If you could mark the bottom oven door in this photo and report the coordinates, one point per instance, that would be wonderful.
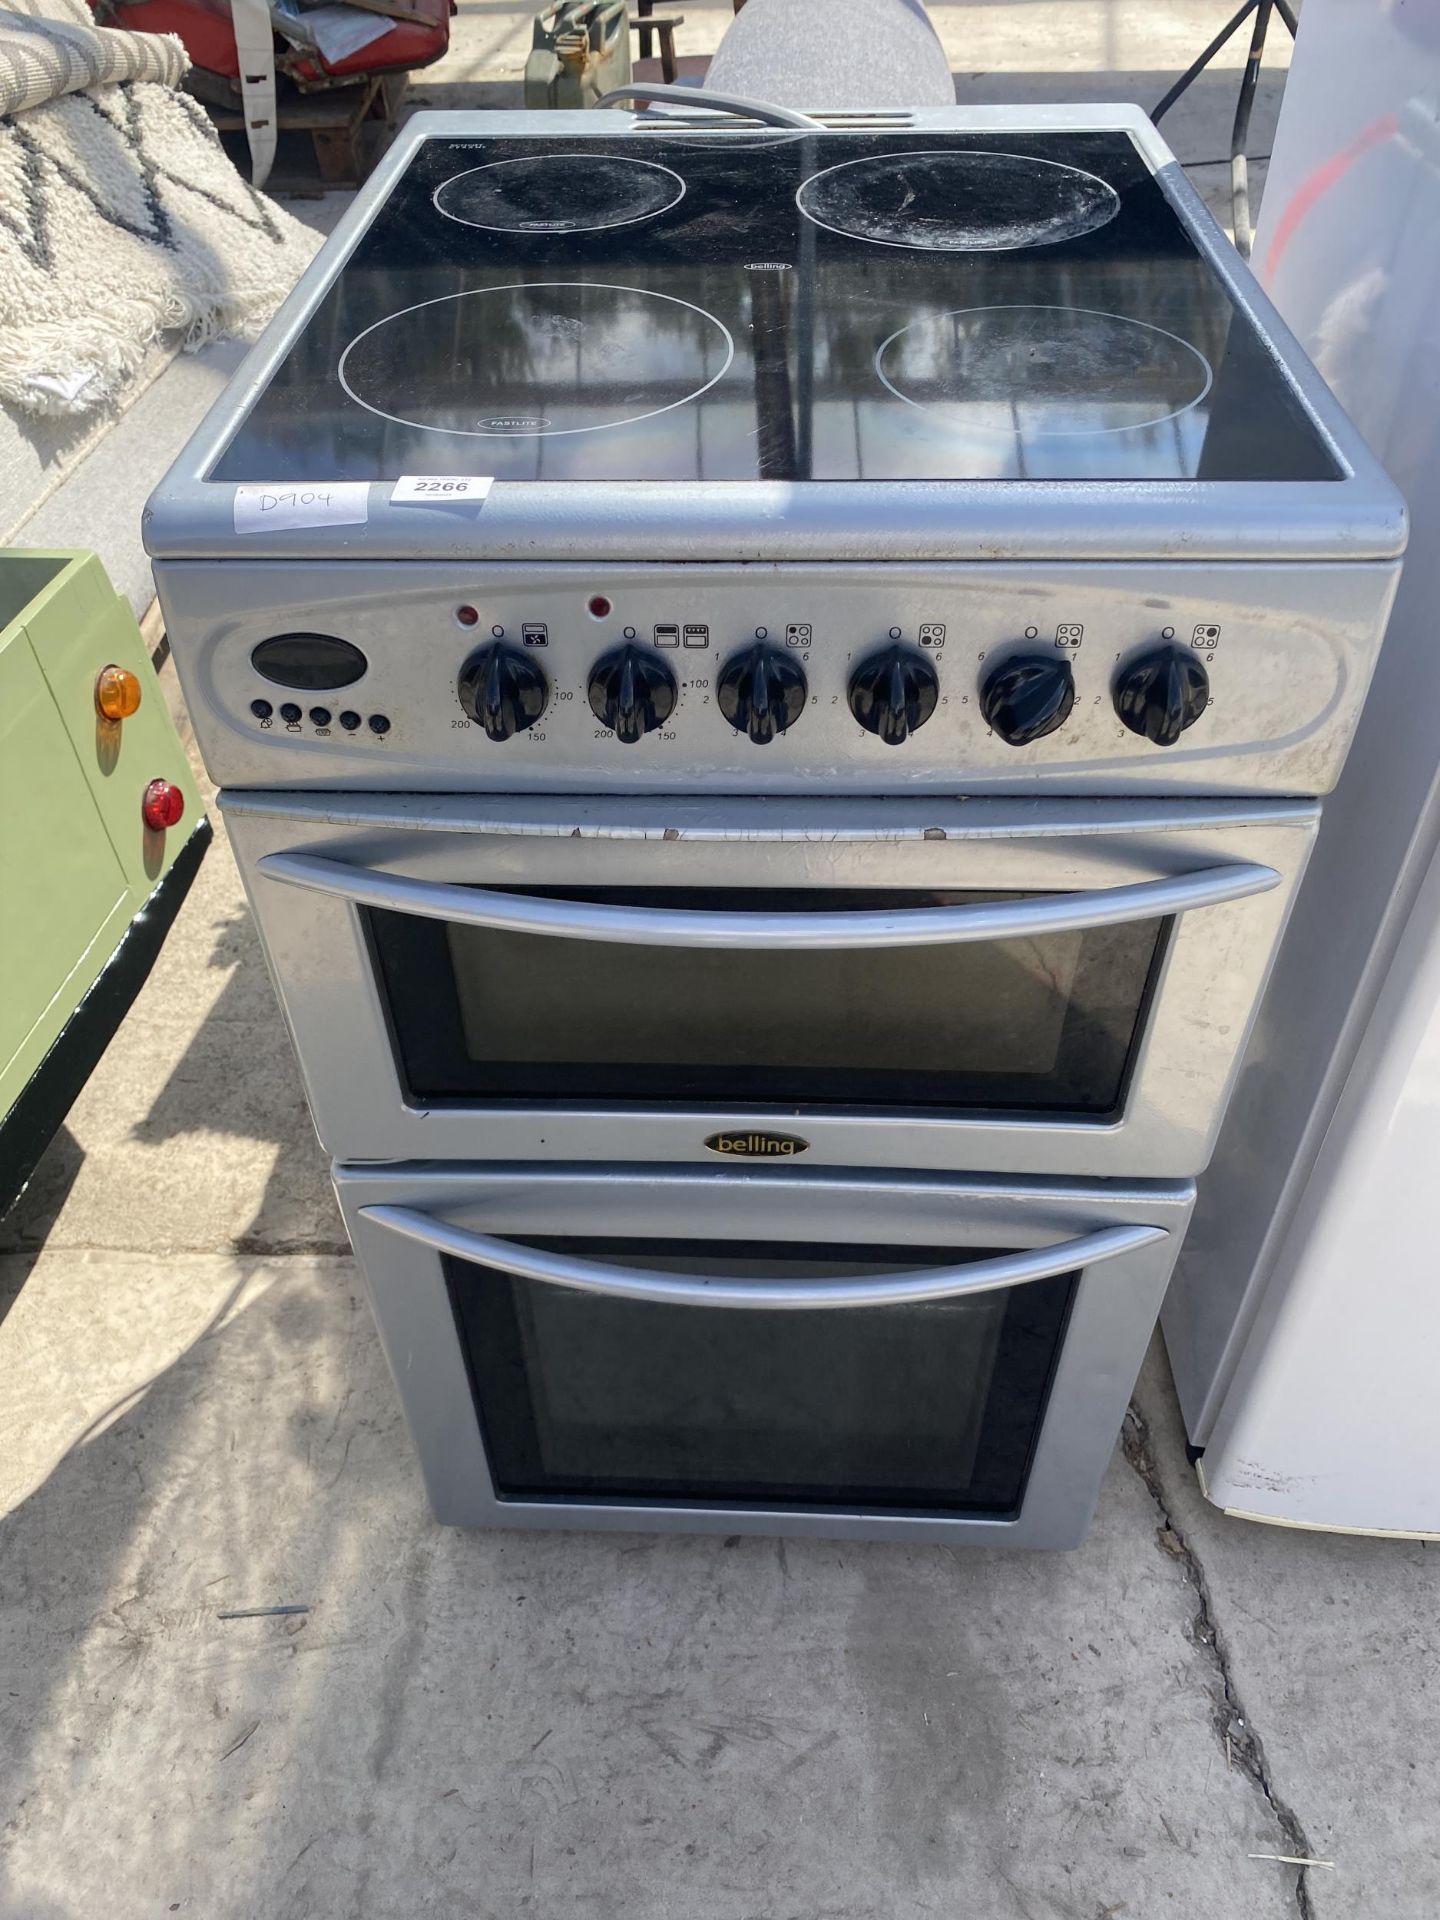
(775, 1352)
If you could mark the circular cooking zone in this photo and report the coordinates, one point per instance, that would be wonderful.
(559, 193)
(949, 202)
(536, 358)
(1038, 371)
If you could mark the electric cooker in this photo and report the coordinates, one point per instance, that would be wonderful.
(772, 686)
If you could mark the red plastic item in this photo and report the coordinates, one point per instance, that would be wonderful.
(162, 805)
(209, 39)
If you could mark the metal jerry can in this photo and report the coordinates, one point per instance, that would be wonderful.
(581, 48)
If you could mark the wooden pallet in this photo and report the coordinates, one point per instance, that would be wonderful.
(335, 118)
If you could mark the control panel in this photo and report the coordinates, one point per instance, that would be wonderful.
(828, 679)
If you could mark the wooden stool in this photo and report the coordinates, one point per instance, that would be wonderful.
(663, 28)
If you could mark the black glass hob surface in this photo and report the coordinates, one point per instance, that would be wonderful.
(778, 306)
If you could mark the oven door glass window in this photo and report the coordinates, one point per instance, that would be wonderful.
(1046, 1023)
(934, 1407)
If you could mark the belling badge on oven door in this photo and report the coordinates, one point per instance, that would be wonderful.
(755, 1145)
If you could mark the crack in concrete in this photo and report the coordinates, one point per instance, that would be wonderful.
(1243, 1746)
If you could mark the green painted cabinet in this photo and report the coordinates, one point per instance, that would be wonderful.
(78, 863)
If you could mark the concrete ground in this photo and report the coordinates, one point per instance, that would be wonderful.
(196, 1417)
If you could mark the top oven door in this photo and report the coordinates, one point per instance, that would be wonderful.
(1053, 987)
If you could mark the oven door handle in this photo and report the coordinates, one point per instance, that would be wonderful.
(699, 1290)
(678, 927)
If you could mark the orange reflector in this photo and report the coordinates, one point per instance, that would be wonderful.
(162, 805)
(117, 693)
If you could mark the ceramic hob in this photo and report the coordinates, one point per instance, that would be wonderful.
(934, 305)
(959, 334)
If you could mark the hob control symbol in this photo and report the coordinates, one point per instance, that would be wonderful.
(894, 692)
(631, 692)
(1028, 696)
(503, 689)
(1162, 693)
(761, 692)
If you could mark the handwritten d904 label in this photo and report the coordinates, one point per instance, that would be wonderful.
(341, 503)
(441, 490)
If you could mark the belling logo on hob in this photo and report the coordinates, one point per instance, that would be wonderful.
(758, 1146)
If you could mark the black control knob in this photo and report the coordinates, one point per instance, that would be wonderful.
(503, 689)
(1162, 693)
(631, 692)
(1027, 696)
(894, 692)
(762, 691)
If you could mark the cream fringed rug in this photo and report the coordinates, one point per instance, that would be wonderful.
(120, 219)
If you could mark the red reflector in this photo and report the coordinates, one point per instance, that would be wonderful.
(162, 805)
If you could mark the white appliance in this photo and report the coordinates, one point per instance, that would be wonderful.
(1304, 1322)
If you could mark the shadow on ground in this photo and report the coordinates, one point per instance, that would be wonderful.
(498, 1724)
(193, 1133)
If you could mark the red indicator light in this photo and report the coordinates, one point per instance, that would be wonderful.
(162, 805)
(599, 606)
(467, 616)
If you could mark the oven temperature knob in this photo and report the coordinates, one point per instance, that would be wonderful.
(1162, 693)
(894, 692)
(1027, 696)
(631, 692)
(503, 689)
(762, 692)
